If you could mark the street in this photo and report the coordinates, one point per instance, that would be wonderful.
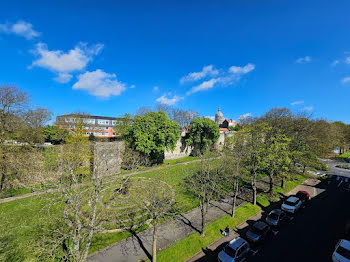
(313, 233)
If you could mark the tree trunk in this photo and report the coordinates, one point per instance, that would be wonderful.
(254, 195)
(235, 189)
(271, 182)
(2, 182)
(282, 182)
(304, 169)
(154, 247)
(203, 222)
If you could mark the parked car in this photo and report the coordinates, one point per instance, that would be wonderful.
(291, 205)
(235, 251)
(276, 217)
(304, 196)
(342, 251)
(258, 231)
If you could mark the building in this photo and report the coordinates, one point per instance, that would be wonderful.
(101, 126)
(223, 123)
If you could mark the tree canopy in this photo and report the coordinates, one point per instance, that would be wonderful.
(152, 134)
(203, 133)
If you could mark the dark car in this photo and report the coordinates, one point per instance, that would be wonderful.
(303, 196)
(258, 231)
(276, 217)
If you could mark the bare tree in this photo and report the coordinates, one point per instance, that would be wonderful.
(232, 162)
(81, 201)
(158, 204)
(142, 111)
(13, 103)
(204, 185)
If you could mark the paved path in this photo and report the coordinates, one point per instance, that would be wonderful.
(211, 252)
(139, 247)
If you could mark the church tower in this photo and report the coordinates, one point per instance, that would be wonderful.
(219, 117)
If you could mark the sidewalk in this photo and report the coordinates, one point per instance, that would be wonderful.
(308, 186)
(139, 247)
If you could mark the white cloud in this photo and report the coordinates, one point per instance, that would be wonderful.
(308, 108)
(244, 116)
(297, 103)
(63, 78)
(168, 101)
(345, 80)
(335, 62)
(303, 60)
(347, 60)
(64, 63)
(21, 28)
(132, 86)
(203, 86)
(99, 83)
(225, 78)
(195, 76)
(242, 69)
(155, 89)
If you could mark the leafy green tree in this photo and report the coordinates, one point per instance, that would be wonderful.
(203, 133)
(152, 134)
(55, 135)
(253, 151)
(276, 157)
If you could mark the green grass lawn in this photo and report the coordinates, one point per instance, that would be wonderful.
(23, 223)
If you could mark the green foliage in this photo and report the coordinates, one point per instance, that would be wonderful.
(123, 123)
(234, 128)
(152, 134)
(203, 133)
(55, 135)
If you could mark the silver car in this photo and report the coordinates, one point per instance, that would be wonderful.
(235, 251)
(276, 217)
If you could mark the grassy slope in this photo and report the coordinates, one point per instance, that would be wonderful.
(23, 221)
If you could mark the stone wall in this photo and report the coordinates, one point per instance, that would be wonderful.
(181, 150)
(108, 157)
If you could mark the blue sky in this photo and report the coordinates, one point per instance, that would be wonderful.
(112, 57)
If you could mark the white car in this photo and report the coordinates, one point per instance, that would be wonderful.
(342, 251)
(291, 205)
(235, 251)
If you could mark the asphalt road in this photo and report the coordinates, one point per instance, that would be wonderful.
(335, 170)
(313, 233)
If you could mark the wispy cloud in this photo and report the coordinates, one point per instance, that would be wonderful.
(21, 28)
(335, 62)
(168, 101)
(346, 80)
(155, 89)
(347, 60)
(242, 69)
(63, 63)
(303, 60)
(100, 84)
(195, 76)
(244, 116)
(297, 103)
(225, 77)
(308, 108)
